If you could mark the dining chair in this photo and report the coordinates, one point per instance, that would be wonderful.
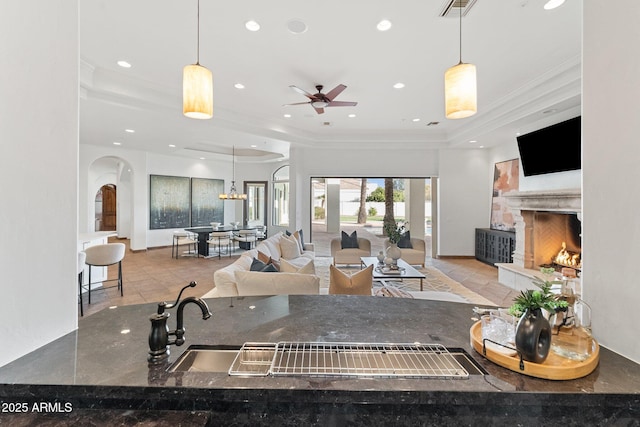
(246, 238)
(219, 239)
(181, 238)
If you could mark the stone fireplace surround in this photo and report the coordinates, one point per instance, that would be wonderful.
(525, 205)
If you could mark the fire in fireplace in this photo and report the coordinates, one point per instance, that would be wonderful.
(568, 259)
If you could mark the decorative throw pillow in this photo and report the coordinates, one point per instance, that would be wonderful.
(264, 257)
(289, 247)
(349, 240)
(298, 236)
(269, 268)
(357, 284)
(258, 265)
(405, 241)
(287, 267)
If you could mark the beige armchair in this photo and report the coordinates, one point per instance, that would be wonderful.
(412, 256)
(349, 255)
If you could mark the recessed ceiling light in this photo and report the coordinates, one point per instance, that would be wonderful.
(482, 146)
(352, 115)
(473, 141)
(172, 146)
(129, 130)
(415, 120)
(252, 25)
(124, 64)
(125, 331)
(253, 145)
(238, 86)
(287, 115)
(117, 143)
(398, 85)
(202, 158)
(517, 133)
(552, 4)
(296, 26)
(384, 25)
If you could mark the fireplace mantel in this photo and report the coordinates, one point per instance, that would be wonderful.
(568, 200)
(523, 205)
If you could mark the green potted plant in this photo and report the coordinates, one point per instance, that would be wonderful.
(533, 332)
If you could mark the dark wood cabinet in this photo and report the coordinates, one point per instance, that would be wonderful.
(494, 246)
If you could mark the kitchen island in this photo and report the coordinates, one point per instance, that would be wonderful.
(101, 371)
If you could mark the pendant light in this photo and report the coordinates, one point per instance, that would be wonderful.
(460, 86)
(197, 87)
(233, 193)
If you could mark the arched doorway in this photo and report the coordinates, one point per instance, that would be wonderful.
(105, 208)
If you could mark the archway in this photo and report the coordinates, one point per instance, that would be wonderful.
(106, 175)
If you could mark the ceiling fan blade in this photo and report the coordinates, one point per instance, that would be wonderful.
(342, 104)
(335, 92)
(303, 92)
(319, 110)
(297, 103)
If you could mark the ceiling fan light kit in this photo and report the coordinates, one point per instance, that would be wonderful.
(197, 87)
(460, 91)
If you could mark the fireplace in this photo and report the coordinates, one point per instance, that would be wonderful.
(545, 222)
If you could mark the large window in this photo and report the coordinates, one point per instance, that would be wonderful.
(281, 197)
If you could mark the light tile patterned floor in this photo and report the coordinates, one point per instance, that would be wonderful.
(153, 276)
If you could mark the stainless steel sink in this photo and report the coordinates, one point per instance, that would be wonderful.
(206, 358)
(331, 359)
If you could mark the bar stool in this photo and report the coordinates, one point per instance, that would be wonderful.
(82, 256)
(104, 256)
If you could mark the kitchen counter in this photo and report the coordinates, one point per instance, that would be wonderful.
(101, 367)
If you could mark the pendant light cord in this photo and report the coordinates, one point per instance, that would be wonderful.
(198, 44)
(460, 26)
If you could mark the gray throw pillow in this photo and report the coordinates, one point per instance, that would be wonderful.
(257, 265)
(349, 240)
(288, 233)
(405, 241)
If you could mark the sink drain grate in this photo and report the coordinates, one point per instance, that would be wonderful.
(348, 359)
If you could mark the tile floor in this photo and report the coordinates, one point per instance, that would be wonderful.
(153, 276)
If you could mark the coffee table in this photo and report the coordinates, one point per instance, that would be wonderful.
(406, 271)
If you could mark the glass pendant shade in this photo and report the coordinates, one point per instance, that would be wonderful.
(460, 91)
(197, 92)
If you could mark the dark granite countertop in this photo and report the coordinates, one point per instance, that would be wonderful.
(100, 366)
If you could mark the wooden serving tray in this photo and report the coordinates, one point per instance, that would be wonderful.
(555, 367)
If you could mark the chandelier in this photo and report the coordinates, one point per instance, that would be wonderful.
(233, 193)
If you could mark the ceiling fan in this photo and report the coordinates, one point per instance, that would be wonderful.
(320, 101)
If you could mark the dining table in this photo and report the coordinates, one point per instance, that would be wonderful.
(203, 235)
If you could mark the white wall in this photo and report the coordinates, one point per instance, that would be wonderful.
(610, 154)
(38, 108)
(464, 200)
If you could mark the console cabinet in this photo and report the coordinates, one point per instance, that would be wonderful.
(493, 246)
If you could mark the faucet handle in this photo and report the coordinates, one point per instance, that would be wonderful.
(163, 305)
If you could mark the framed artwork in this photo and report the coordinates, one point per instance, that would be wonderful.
(169, 201)
(206, 207)
(506, 177)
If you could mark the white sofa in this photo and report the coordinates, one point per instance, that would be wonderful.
(237, 280)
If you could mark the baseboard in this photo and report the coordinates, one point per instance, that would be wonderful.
(455, 257)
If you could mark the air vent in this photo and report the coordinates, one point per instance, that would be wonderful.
(452, 8)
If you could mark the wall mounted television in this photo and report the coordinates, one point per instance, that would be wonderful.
(552, 149)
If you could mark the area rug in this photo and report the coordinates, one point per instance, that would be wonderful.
(436, 286)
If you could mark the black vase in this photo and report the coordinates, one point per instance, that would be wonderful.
(533, 336)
